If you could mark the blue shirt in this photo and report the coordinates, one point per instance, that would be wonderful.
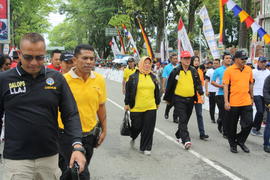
(167, 70)
(218, 76)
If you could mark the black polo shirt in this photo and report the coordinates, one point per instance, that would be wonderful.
(31, 108)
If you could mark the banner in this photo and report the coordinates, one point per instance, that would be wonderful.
(209, 33)
(146, 40)
(183, 40)
(114, 48)
(131, 42)
(4, 21)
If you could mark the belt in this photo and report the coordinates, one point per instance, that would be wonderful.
(185, 98)
(85, 134)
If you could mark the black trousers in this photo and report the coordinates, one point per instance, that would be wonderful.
(245, 113)
(144, 123)
(183, 108)
(168, 108)
(223, 114)
(212, 105)
(66, 151)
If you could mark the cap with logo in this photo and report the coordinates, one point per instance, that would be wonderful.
(185, 54)
(241, 54)
(66, 56)
(131, 59)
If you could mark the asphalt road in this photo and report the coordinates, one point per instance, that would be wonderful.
(211, 160)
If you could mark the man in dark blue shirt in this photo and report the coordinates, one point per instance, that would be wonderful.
(31, 96)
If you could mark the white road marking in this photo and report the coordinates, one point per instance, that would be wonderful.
(196, 154)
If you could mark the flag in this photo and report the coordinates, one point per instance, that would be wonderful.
(266, 38)
(221, 25)
(183, 40)
(243, 16)
(123, 51)
(209, 32)
(146, 40)
(131, 42)
(114, 47)
(249, 21)
(236, 10)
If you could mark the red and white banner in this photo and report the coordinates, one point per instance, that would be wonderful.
(183, 40)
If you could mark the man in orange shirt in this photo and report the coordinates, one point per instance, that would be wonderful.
(238, 97)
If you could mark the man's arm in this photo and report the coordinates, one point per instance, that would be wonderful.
(217, 85)
(266, 91)
(163, 85)
(124, 86)
(101, 113)
(206, 87)
(226, 97)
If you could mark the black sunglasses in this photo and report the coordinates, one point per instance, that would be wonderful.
(28, 57)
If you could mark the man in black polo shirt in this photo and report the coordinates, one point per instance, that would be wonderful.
(30, 98)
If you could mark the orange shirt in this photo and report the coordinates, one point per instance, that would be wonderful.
(239, 85)
(200, 100)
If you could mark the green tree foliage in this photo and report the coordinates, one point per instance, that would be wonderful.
(29, 16)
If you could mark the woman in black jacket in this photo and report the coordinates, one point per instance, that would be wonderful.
(142, 99)
(266, 96)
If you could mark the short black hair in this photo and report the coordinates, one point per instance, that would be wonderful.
(226, 54)
(80, 47)
(217, 60)
(33, 38)
(56, 51)
(3, 60)
(172, 55)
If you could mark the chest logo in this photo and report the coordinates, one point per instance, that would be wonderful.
(50, 81)
(17, 87)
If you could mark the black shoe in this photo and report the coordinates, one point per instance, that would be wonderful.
(166, 116)
(204, 137)
(233, 149)
(213, 121)
(176, 120)
(225, 136)
(243, 147)
(266, 149)
(219, 127)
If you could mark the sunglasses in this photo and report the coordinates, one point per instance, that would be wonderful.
(28, 57)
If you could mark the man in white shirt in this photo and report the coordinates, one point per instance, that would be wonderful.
(210, 90)
(259, 75)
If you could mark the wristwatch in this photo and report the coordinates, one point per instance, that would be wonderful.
(81, 149)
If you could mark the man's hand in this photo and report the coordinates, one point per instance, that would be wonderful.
(227, 106)
(126, 108)
(101, 138)
(79, 158)
(202, 99)
(207, 93)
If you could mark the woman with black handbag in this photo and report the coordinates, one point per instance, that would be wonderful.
(142, 99)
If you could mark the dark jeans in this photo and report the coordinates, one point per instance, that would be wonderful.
(198, 108)
(260, 107)
(66, 151)
(266, 135)
(144, 123)
(212, 105)
(223, 114)
(183, 108)
(168, 108)
(245, 113)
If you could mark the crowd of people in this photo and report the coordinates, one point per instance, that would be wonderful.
(230, 83)
(54, 116)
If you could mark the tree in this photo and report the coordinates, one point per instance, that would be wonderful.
(29, 16)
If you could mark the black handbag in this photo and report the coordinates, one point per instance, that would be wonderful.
(71, 173)
(96, 132)
(125, 129)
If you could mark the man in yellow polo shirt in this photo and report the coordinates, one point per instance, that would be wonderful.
(130, 69)
(89, 91)
(238, 97)
(183, 84)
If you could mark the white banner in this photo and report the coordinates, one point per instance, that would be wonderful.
(114, 47)
(183, 40)
(209, 33)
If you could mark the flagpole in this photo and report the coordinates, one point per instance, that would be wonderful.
(200, 44)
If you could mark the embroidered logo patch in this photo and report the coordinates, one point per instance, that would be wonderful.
(50, 81)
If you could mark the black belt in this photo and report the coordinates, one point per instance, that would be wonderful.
(84, 134)
(185, 98)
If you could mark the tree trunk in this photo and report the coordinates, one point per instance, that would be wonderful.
(193, 5)
(243, 32)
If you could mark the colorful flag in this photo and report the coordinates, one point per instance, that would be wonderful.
(131, 43)
(209, 33)
(221, 25)
(146, 40)
(123, 51)
(183, 40)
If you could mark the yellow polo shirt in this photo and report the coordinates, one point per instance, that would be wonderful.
(88, 96)
(128, 72)
(185, 84)
(145, 96)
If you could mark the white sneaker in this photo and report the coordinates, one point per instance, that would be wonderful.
(147, 153)
(187, 145)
